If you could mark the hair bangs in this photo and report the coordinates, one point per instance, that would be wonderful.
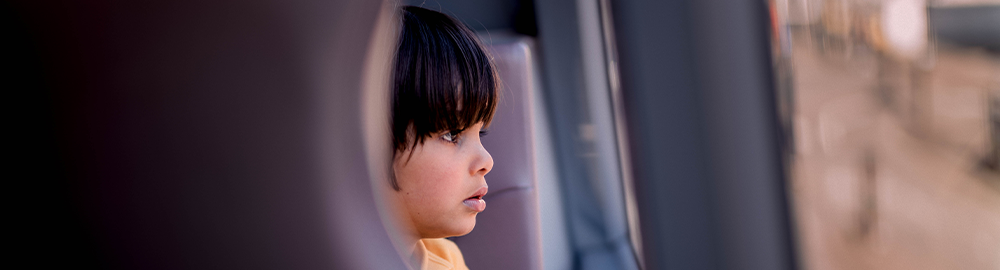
(444, 79)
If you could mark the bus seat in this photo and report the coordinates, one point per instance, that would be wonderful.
(508, 233)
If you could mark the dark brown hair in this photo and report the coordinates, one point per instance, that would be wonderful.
(443, 79)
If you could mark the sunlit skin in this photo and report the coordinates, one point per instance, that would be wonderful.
(435, 182)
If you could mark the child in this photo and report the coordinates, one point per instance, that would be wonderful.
(444, 95)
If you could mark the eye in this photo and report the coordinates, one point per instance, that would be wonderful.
(452, 136)
(484, 132)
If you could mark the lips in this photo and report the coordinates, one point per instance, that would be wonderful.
(476, 202)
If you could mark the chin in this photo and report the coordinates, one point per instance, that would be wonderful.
(462, 229)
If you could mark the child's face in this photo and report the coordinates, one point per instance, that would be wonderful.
(440, 182)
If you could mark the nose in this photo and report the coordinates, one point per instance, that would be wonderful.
(483, 162)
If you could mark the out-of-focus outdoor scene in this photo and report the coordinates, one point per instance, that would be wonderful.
(892, 112)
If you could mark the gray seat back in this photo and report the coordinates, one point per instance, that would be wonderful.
(507, 234)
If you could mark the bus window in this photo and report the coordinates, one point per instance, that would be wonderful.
(890, 113)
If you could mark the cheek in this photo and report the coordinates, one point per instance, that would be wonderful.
(429, 178)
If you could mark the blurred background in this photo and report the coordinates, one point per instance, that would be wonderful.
(633, 134)
(890, 108)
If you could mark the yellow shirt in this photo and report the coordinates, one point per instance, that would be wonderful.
(441, 254)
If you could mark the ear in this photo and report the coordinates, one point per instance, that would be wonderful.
(392, 172)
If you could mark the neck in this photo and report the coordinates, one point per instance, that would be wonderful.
(416, 252)
(402, 232)
(407, 241)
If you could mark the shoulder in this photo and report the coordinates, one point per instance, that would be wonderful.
(446, 252)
